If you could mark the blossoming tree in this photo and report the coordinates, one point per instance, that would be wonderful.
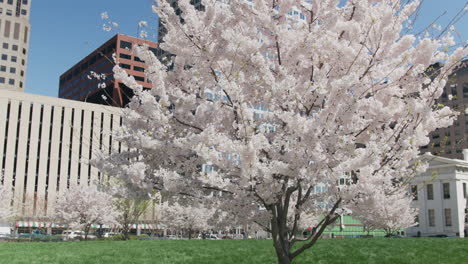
(82, 206)
(385, 207)
(6, 210)
(191, 218)
(281, 97)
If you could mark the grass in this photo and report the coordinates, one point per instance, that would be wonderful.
(333, 251)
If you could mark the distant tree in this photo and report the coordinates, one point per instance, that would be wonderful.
(385, 207)
(81, 206)
(130, 209)
(6, 210)
(190, 218)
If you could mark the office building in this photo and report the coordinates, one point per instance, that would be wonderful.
(78, 84)
(14, 43)
(46, 144)
(449, 142)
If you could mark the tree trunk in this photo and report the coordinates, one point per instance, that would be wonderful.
(283, 256)
(280, 241)
(125, 232)
(87, 228)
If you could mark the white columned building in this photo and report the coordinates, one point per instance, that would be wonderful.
(440, 194)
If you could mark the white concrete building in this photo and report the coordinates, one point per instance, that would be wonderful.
(45, 145)
(441, 196)
(14, 43)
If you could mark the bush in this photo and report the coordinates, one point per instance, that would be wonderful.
(118, 237)
(143, 236)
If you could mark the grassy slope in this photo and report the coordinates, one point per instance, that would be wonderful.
(381, 251)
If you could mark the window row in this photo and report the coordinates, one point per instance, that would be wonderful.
(12, 58)
(10, 82)
(447, 217)
(13, 70)
(13, 47)
(430, 191)
(129, 67)
(128, 46)
(10, 2)
(9, 26)
(129, 57)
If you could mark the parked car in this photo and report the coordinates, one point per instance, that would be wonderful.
(110, 234)
(439, 235)
(394, 236)
(72, 235)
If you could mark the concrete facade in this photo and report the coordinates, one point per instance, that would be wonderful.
(45, 146)
(14, 43)
(440, 195)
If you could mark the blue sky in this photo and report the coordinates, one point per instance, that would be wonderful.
(63, 32)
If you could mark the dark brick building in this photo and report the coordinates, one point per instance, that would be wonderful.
(75, 83)
(449, 142)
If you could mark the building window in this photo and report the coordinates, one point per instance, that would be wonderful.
(11, 81)
(9, 12)
(16, 31)
(448, 217)
(430, 192)
(24, 50)
(414, 192)
(6, 33)
(464, 190)
(24, 12)
(12, 70)
(446, 189)
(14, 58)
(125, 56)
(2, 80)
(125, 45)
(4, 57)
(3, 68)
(5, 45)
(140, 69)
(10, 2)
(138, 78)
(125, 66)
(25, 2)
(25, 38)
(21, 84)
(22, 73)
(14, 47)
(431, 217)
(138, 59)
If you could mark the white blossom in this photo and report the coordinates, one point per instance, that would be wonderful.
(104, 16)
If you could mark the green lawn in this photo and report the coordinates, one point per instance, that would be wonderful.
(358, 250)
